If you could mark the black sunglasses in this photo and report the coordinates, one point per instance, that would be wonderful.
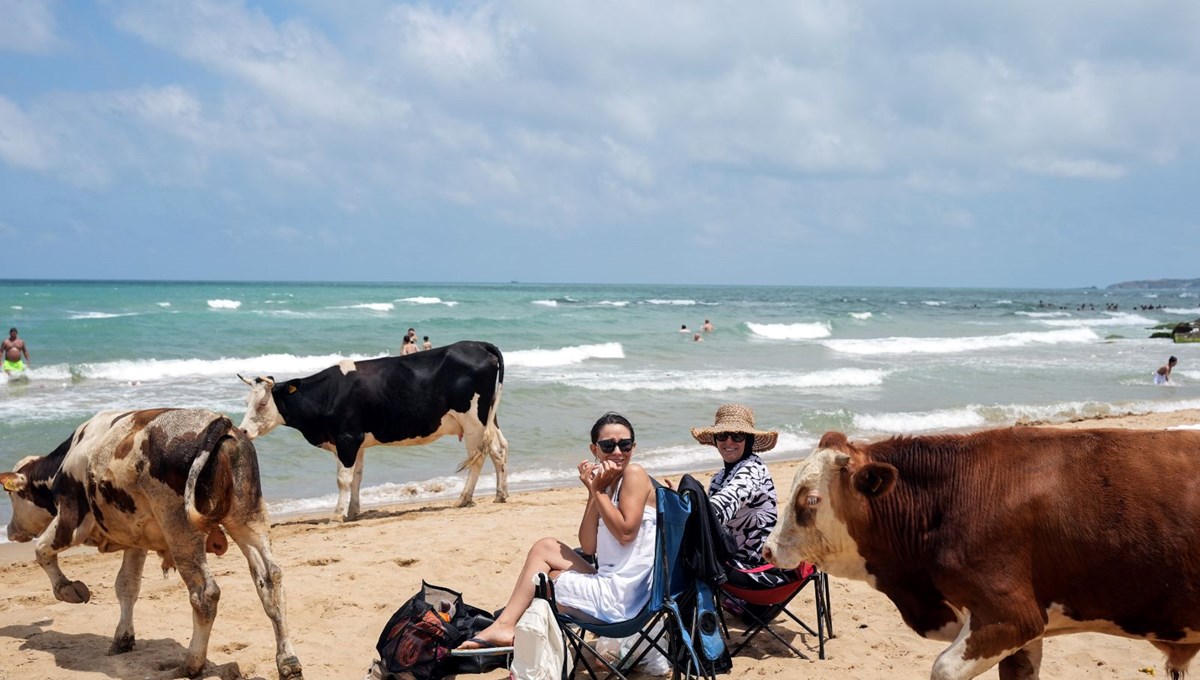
(610, 445)
(735, 436)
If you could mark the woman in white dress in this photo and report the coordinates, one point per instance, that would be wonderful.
(618, 526)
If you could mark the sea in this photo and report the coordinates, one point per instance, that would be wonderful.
(870, 362)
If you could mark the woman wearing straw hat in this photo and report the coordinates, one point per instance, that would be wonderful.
(743, 494)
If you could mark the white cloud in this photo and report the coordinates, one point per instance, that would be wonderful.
(1079, 168)
(21, 143)
(290, 62)
(28, 26)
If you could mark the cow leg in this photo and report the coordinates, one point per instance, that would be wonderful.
(499, 454)
(349, 478)
(473, 439)
(983, 643)
(349, 481)
(1025, 664)
(129, 584)
(255, 543)
(58, 536)
(187, 546)
(1179, 657)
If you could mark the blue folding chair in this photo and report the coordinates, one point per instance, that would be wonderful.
(668, 586)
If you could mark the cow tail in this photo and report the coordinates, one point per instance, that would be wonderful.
(491, 428)
(211, 476)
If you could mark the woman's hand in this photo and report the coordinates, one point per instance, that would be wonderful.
(606, 473)
(587, 474)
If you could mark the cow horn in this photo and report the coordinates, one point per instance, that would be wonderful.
(243, 379)
(841, 460)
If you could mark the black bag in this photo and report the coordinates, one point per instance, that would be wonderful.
(416, 642)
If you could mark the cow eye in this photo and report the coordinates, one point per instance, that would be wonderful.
(813, 500)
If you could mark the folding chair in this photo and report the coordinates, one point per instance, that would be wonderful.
(775, 601)
(668, 585)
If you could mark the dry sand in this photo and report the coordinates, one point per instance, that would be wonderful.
(344, 581)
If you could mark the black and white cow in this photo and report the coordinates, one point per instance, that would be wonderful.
(398, 401)
(167, 480)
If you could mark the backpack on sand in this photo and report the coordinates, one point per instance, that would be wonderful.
(416, 642)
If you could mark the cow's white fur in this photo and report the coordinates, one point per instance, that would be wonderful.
(827, 543)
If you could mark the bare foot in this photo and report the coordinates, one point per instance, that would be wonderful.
(494, 635)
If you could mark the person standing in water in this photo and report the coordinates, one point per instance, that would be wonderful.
(13, 349)
(1163, 375)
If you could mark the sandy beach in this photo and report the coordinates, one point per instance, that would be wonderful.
(343, 582)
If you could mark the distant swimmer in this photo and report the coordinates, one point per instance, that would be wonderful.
(684, 329)
(426, 344)
(1161, 377)
(409, 346)
(697, 338)
(13, 348)
(707, 327)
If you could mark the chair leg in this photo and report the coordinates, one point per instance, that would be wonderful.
(826, 604)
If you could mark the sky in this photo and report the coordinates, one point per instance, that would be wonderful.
(924, 143)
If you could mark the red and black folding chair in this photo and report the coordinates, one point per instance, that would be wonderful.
(769, 603)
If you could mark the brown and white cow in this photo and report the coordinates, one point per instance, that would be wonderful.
(167, 480)
(994, 540)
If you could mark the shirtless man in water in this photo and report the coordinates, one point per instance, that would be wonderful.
(13, 347)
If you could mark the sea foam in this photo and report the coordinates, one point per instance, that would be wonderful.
(224, 304)
(1107, 320)
(424, 300)
(143, 370)
(715, 381)
(100, 315)
(902, 345)
(791, 331)
(565, 356)
(373, 306)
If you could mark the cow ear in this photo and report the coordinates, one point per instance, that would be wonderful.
(12, 481)
(874, 479)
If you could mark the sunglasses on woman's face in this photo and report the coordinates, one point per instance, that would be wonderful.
(610, 445)
(738, 437)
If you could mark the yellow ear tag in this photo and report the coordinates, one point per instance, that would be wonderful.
(10, 484)
(291, 389)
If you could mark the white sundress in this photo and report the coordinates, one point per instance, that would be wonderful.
(621, 586)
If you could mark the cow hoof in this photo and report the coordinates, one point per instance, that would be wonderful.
(120, 645)
(289, 669)
(75, 592)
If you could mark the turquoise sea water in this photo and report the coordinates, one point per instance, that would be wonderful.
(867, 361)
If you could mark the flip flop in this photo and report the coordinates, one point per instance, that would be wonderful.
(485, 648)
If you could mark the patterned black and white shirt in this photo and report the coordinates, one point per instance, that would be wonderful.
(744, 499)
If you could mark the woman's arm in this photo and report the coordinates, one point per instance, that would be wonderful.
(588, 526)
(625, 519)
(741, 487)
(591, 515)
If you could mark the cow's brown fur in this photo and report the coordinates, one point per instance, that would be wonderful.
(1008, 524)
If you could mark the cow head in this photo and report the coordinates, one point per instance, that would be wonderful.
(829, 493)
(28, 518)
(262, 415)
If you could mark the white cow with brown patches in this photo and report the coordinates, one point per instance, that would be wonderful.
(167, 480)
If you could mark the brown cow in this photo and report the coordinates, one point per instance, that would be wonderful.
(166, 480)
(996, 539)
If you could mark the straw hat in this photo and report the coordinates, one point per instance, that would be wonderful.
(736, 418)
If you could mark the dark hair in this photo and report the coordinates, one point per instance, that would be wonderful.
(1172, 360)
(611, 418)
(12, 330)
